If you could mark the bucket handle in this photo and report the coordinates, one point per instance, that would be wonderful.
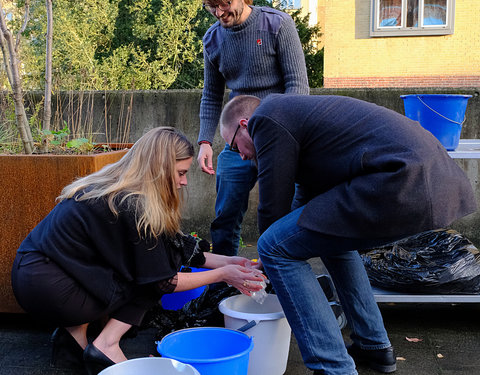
(243, 328)
(247, 326)
(446, 118)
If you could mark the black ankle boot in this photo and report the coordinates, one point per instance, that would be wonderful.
(94, 360)
(382, 360)
(66, 351)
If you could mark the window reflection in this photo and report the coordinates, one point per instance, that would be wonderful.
(435, 12)
(390, 13)
(412, 13)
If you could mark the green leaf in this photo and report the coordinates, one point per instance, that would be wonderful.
(77, 143)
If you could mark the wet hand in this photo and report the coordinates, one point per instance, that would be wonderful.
(243, 278)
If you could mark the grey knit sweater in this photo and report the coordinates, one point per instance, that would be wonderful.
(263, 55)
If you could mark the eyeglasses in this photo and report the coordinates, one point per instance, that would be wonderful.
(232, 147)
(213, 8)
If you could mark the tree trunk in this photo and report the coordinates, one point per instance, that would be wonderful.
(15, 82)
(3, 44)
(47, 105)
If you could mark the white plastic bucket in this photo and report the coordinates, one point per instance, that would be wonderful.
(269, 329)
(150, 366)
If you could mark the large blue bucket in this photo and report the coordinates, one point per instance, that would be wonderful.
(212, 351)
(176, 300)
(441, 114)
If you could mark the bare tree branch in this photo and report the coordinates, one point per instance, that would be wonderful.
(47, 106)
(6, 59)
(24, 25)
(48, 66)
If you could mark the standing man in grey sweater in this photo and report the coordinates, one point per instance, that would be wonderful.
(252, 50)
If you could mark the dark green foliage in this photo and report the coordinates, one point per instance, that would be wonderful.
(314, 62)
(123, 35)
(313, 56)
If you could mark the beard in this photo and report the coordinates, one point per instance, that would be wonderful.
(233, 14)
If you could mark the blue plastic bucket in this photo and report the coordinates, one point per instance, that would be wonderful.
(441, 114)
(211, 350)
(175, 301)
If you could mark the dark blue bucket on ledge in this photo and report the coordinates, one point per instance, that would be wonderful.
(441, 114)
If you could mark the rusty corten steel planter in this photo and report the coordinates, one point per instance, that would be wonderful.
(29, 185)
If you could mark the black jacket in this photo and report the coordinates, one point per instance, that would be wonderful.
(363, 171)
(102, 252)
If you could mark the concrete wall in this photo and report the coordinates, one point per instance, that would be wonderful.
(179, 108)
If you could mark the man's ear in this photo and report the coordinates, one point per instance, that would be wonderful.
(243, 123)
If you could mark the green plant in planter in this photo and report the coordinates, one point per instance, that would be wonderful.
(81, 145)
(58, 142)
(73, 130)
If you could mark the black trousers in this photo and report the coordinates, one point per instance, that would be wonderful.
(47, 292)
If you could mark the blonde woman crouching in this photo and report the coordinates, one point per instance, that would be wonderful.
(112, 246)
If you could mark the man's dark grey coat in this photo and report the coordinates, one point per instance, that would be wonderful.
(362, 170)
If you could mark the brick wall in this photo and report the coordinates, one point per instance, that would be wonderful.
(415, 81)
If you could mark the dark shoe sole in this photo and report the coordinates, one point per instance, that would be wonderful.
(382, 368)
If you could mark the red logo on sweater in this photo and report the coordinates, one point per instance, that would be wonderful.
(259, 42)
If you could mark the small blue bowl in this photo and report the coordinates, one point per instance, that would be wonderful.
(175, 301)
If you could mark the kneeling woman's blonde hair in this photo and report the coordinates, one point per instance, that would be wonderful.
(147, 172)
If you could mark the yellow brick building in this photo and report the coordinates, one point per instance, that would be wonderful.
(361, 52)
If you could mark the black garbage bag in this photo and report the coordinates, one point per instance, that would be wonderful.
(433, 262)
(200, 312)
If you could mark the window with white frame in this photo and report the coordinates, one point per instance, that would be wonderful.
(412, 17)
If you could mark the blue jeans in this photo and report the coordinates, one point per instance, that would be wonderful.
(284, 249)
(235, 179)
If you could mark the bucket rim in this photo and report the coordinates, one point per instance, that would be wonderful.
(140, 359)
(436, 95)
(210, 360)
(248, 316)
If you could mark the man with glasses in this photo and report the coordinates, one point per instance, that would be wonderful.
(251, 50)
(336, 175)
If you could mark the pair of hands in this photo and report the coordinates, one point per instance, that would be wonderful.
(244, 274)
